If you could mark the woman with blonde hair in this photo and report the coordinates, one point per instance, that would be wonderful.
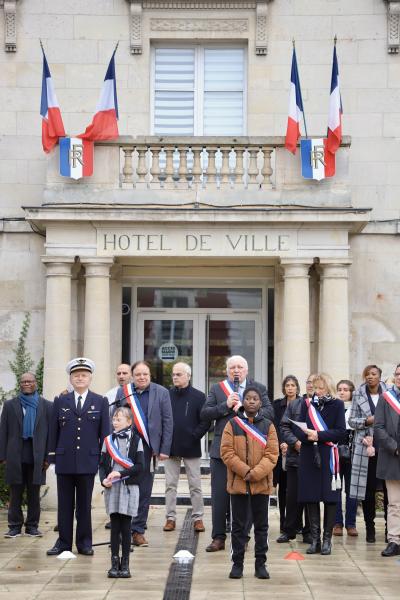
(319, 478)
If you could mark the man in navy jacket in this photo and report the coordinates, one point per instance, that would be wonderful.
(80, 422)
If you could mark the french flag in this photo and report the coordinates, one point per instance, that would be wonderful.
(52, 123)
(104, 125)
(335, 109)
(295, 108)
(76, 158)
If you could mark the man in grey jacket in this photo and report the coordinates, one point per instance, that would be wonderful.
(387, 433)
(24, 429)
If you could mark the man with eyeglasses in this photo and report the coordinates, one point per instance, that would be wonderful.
(387, 433)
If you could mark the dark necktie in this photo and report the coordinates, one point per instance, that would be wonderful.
(79, 405)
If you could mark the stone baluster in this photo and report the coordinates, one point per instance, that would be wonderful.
(142, 167)
(197, 168)
(225, 165)
(253, 168)
(211, 169)
(127, 170)
(239, 170)
(182, 168)
(266, 170)
(169, 166)
(155, 165)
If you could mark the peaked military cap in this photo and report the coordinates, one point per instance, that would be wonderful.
(80, 364)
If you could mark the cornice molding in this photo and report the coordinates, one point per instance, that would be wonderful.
(179, 24)
(10, 24)
(393, 25)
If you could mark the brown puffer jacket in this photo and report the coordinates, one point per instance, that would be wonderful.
(240, 452)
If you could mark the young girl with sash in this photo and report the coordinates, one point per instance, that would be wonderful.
(249, 449)
(121, 463)
(319, 471)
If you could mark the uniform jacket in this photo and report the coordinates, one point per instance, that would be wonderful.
(359, 411)
(188, 427)
(216, 409)
(315, 485)
(159, 418)
(11, 440)
(75, 438)
(386, 431)
(289, 431)
(134, 454)
(240, 452)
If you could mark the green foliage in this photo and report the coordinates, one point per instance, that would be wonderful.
(23, 361)
(39, 375)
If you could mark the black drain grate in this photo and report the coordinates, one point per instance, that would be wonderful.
(179, 579)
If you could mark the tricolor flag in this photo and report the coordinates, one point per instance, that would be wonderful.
(104, 125)
(316, 162)
(76, 158)
(52, 124)
(335, 109)
(295, 108)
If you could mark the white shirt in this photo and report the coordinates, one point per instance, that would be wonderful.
(375, 398)
(83, 396)
(112, 394)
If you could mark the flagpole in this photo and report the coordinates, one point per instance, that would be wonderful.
(116, 47)
(304, 114)
(41, 45)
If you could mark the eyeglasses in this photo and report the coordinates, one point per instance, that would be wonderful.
(396, 374)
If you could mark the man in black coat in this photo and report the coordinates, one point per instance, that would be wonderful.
(186, 403)
(222, 404)
(80, 422)
(24, 428)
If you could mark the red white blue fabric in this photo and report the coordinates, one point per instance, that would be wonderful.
(70, 150)
(311, 169)
(334, 462)
(335, 109)
(252, 431)
(52, 123)
(115, 454)
(226, 387)
(104, 125)
(295, 108)
(391, 399)
(139, 417)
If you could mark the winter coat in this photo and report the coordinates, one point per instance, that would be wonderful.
(279, 407)
(137, 457)
(242, 453)
(387, 432)
(289, 431)
(359, 411)
(188, 427)
(315, 484)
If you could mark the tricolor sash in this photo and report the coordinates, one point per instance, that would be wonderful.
(139, 417)
(252, 431)
(392, 400)
(320, 425)
(115, 454)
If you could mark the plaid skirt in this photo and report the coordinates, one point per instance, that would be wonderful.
(121, 498)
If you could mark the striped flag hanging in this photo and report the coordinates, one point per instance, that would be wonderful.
(335, 109)
(52, 123)
(295, 108)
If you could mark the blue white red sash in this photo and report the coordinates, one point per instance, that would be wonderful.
(391, 399)
(139, 417)
(252, 431)
(226, 387)
(334, 462)
(115, 454)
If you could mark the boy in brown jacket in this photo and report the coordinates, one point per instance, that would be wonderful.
(249, 448)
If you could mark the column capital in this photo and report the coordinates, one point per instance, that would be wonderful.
(97, 266)
(296, 267)
(58, 266)
(334, 269)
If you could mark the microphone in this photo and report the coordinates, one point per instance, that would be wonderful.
(118, 402)
(236, 384)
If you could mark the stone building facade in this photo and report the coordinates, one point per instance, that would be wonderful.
(197, 220)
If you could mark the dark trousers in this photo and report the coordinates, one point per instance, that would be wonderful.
(75, 491)
(282, 495)
(257, 506)
(219, 498)
(294, 509)
(369, 506)
(120, 531)
(145, 488)
(15, 515)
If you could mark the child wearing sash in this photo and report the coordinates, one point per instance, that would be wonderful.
(121, 463)
(249, 449)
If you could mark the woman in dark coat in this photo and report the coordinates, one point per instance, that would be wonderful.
(317, 481)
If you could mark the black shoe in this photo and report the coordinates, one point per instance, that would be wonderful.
(236, 572)
(284, 538)
(314, 547)
(55, 550)
(370, 536)
(391, 549)
(13, 532)
(124, 571)
(326, 548)
(107, 525)
(261, 572)
(307, 539)
(113, 573)
(33, 532)
(86, 551)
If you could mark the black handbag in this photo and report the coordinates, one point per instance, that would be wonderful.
(344, 452)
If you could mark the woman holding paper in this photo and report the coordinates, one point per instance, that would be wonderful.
(321, 427)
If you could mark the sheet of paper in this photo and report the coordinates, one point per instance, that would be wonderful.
(303, 426)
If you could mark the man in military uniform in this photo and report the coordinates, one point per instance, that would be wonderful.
(79, 424)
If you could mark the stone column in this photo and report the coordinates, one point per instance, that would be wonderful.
(57, 332)
(334, 319)
(96, 343)
(296, 319)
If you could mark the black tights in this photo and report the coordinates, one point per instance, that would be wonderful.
(120, 528)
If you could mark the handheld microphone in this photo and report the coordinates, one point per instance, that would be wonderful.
(236, 384)
(118, 402)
